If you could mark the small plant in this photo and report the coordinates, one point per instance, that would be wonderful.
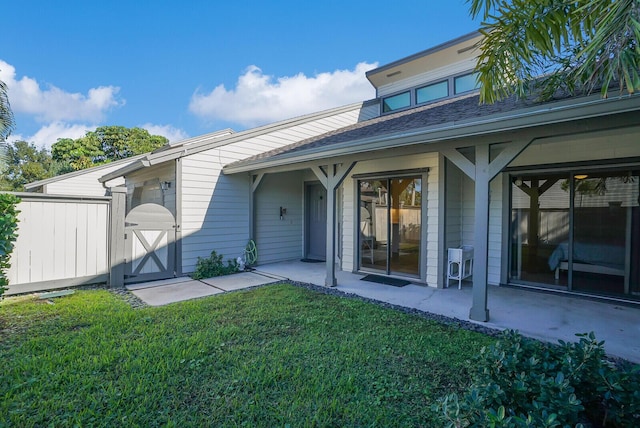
(214, 266)
(520, 382)
(8, 234)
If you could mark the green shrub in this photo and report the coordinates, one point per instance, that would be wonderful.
(520, 382)
(8, 234)
(214, 266)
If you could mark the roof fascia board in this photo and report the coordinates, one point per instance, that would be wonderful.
(250, 133)
(424, 53)
(593, 107)
(180, 151)
(199, 138)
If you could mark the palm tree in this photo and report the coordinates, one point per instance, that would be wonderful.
(557, 46)
(6, 123)
(6, 115)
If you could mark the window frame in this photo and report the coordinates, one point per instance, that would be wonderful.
(413, 92)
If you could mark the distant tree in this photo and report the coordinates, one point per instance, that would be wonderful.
(79, 154)
(27, 163)
(557, 45)
(105, 144)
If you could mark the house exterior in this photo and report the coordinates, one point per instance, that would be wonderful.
(84, 182)
(547, 194)
(179, 206)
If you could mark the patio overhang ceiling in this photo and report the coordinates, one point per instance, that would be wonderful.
(549, 120)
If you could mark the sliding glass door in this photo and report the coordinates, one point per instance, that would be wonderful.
(390, 219)
(577, 231)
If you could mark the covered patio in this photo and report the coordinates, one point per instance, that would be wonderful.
(547, 316)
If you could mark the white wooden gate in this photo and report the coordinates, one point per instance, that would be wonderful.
(62, 241)
(150, 231)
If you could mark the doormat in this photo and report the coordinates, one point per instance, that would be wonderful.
(385, 280)
(312, 261)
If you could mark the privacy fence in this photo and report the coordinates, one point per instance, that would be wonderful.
(66, 241)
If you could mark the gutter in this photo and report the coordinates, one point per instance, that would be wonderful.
(451, 130)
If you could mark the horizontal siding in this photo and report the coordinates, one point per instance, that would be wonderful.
(369, 111)
(215, 210)
(215, 207)
(85, 184)
(495, 232)
(277, 239)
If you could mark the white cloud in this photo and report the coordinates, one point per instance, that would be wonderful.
(52, 104)
(49, 134)
(168, 131)
(258, 98)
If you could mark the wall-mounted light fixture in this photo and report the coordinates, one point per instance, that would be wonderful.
(283, 212)
(164, 185)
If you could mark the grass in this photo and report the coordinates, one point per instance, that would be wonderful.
(273, 356)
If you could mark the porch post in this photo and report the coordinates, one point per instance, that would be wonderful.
(116, 241)
(332, 178)
(479, 311)
(330, 280)
(255, 182)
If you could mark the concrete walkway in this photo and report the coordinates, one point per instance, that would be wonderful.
(540, 315)
(163, 292)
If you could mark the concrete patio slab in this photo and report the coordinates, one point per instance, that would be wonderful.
(163, 292)
(160, 293)
(239, 281)
(161, 282)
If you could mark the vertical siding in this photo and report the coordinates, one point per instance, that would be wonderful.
(279, 239)
(59, 240)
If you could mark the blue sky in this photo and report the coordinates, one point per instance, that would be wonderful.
(183, 69)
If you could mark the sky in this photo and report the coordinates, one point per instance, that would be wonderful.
(188, 68)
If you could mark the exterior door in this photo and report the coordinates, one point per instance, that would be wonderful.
(390, 225)
(150, 232)
(316, 239)
(577, 231)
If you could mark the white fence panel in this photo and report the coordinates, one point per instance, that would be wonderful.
(63, 241)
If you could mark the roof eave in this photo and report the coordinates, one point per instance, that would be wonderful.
(132, 167)
(594, 106)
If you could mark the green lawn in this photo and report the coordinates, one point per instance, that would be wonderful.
(274, 356)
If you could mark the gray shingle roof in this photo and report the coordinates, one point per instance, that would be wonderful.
(450, 110)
